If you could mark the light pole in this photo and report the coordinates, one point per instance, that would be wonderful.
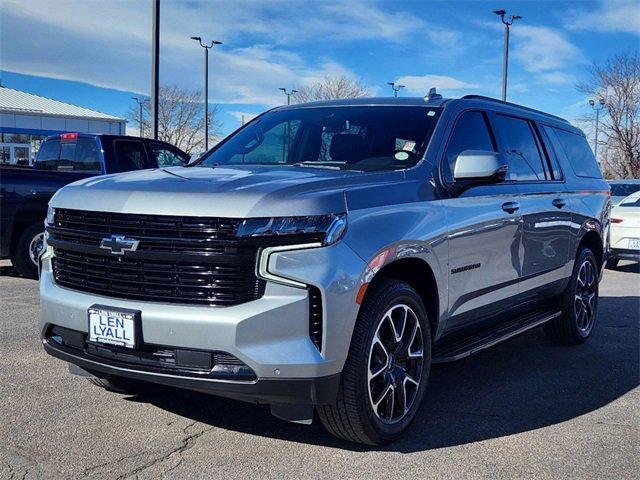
(601, 105)
(505, 61)
(206, 86)
(140, 102)
(288, 94)
(395, 88)
(155, 68)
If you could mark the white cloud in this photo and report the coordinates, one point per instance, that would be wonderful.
(556, 78)
(543, 48)
(107, 44)
(422, 84)
(610, 16)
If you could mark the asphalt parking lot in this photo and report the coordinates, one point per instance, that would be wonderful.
(526, 408)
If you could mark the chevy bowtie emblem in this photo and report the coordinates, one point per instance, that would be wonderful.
(118, 244)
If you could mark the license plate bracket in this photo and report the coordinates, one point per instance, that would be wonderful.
(120, 327)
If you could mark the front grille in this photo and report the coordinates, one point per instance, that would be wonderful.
(189, 260)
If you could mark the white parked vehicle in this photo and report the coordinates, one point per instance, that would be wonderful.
(625, 231)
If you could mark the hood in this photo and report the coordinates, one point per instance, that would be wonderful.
(238, 191)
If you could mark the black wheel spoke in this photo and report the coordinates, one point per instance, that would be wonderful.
(395, 364)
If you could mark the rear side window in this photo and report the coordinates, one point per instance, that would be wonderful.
(166, 157)
(579, 154)
(521, 149)
(470, 133)
(79, 155)
(130, 155)
(47, 158)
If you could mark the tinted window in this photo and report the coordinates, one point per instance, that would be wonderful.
(519, 145)
(47, 158)
(578, 153)
(552, 152)
(624, 189)
(351, 137)
(78, 155)
(630, 202)
(470, 133)
(130, 155)
(167, 157)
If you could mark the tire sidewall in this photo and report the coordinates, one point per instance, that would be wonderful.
(583, 254)
(20, 257)
(381, 300)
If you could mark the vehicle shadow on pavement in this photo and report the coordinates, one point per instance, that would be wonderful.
(521, 385)
(8, 271)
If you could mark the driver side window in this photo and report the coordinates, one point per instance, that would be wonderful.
(469, 133)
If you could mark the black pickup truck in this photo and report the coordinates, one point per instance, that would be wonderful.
(62, 159)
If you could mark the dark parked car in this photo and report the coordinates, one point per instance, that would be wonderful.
(63, 159)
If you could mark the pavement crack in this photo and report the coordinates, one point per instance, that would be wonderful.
(187, 442)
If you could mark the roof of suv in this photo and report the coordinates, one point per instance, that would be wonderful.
(439, 101)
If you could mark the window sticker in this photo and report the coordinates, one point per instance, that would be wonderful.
(430, 113)
(401, 156)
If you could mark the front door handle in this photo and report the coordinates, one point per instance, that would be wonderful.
(510, 207)
(559, 203)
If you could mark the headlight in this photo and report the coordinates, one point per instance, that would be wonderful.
(326, 229)
(51, 215)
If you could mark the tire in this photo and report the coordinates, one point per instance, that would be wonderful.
(612, 264)
(24, 249)
(117, 384)
(579, 303)
(354, 417)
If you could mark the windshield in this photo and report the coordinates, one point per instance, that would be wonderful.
(365, 138)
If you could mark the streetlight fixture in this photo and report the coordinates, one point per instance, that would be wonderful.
(288, 94)
(395, 88)
(140, 102)
(505, 61)
(597, 107)
(206, 86)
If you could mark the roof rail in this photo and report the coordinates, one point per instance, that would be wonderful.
(502, 102)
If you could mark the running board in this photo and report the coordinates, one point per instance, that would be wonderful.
(475, 344)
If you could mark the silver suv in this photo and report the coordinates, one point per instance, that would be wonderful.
(325, 255)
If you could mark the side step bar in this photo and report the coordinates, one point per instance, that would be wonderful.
(473, 345)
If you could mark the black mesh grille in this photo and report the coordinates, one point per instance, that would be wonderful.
(315, 317)
(178, 259)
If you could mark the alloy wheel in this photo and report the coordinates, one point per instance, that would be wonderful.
(585, 297)
(35, 247)
(395, 363)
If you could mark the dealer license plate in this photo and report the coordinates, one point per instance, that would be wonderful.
(634, 243)
(113, 326)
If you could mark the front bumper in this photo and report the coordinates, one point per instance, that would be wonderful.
(270, 335)
(297, 391)
(624, 254)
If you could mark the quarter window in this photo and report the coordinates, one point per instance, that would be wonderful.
(579, 154)
(470, 133)
(166, 157)
(521, 149)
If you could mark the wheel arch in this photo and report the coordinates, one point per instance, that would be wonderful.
(419, 274)
(594, 242)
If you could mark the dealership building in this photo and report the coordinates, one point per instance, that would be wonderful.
(26, 119)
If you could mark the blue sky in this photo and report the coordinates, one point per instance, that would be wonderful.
(96, 53)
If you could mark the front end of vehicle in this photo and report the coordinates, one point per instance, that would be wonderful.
(238, 308)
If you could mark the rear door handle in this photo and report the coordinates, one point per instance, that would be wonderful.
(559, 203)
(510, 207)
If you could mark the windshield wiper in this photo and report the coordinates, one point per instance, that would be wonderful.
(316, 165)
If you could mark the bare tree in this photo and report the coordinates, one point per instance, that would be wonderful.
(617, 81)
(330, 88)
(180, 118)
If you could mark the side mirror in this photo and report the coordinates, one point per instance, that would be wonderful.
(479, 166)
